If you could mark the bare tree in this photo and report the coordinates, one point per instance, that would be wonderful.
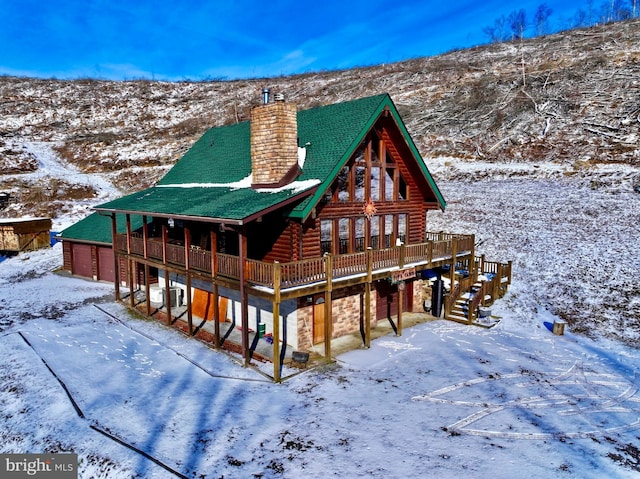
(497, 32)
(580, 19)
(541, 18)
(517, 21)
(616, 11)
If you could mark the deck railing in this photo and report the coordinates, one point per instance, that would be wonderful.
(438, 248)
(298, 273)
(349, 264)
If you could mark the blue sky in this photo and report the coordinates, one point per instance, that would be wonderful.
(197, 40)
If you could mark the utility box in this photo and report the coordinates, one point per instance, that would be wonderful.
(175, 296)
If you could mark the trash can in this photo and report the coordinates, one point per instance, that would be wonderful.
(261, 329)
(437, 298)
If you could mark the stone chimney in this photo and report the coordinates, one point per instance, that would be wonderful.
(274, 142)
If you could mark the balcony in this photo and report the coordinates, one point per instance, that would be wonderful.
(438, 249)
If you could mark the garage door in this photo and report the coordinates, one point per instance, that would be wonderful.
(105, 264)
(82, 260)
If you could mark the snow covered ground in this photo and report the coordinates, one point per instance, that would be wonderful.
(443, 400)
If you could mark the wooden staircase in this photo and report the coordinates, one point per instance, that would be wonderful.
(469, 294)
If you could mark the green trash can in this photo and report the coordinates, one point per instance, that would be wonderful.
(261, 329)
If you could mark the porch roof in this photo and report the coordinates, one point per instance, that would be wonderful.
(220, 204)
(96, 228)
(212, 181)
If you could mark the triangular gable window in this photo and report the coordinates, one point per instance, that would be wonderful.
(367, 177)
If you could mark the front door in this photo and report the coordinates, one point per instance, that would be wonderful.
(318, 319)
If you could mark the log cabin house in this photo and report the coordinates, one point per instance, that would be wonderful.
(302, 226)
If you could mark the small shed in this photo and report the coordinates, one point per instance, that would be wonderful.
(4, 200)
(24, 234)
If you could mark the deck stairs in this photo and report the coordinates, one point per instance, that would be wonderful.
(460, 308)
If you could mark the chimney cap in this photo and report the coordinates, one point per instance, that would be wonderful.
(265, 95)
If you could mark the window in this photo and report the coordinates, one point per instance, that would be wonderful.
(343, 234)
(375, 183)
(388, 231)
(360, 183)
(388, 184)
(375, 232)
(402, 227)
(360, 232)
(326, 234)
(372, 173)
(402, 188)
(343, 184)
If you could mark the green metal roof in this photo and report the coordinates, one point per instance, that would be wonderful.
(210, 182)
(96, 228)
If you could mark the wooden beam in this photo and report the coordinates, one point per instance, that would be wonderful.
(167, 286)
(147, 293)
(130, 263)
(367, 300)
(275, 335)
(145, 251)
(244, 306)
(401, 286)
(116, 262)
(187, 250)
(216, 296)
(452, 272)
(327, 307)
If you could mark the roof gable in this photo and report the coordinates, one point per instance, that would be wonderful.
(344, 127)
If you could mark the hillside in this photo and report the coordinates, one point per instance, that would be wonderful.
(568, 98)
(539, 159)
(543, 168)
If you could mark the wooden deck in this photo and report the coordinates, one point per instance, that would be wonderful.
(278, 282)
(297, 277)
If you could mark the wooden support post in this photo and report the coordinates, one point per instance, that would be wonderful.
(401, 286)
(145, 252)
(473, 272)
(244, 307)
(130, 263)
(116, 258)
(167, 295)
(187, 267)
(275, 335)
(452, 274)
(214, 284)
(328, 264)
(147, 293)
(167, 285)
(367, 300)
